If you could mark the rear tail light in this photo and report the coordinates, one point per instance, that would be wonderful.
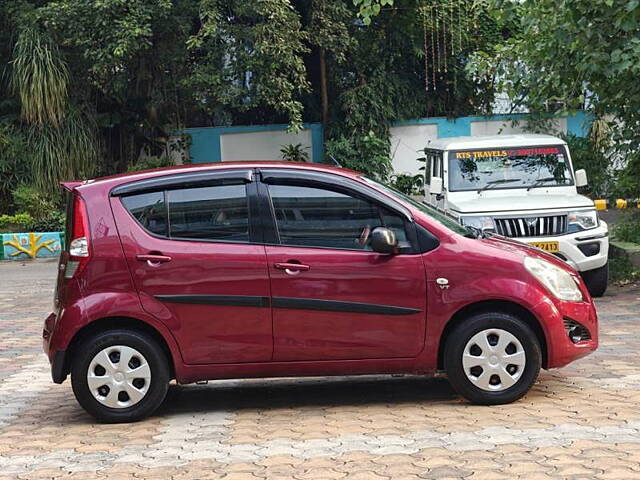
(79, 250)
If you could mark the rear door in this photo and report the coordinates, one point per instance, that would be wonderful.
(198, 263)
(332, 296)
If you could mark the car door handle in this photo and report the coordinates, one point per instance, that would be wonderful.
(153, 259)
(292, 268)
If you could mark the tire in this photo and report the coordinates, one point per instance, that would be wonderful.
(480, 385)
(597, 280)
(145, 376)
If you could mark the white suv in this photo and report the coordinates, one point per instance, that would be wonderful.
(523, 187)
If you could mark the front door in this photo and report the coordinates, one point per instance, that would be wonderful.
(198, 268)
(332, 296)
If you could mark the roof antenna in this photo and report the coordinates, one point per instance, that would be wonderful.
(335, 162)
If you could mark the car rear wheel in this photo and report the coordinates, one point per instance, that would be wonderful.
(120, 376)
(597, 280)
(492, 358)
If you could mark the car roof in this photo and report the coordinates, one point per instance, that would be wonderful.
(490, 141)
(197, 167)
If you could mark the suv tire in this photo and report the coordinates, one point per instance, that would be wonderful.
(597, 280)
(492, 358)
(129, 392)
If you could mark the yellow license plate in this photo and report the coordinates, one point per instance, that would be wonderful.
(551, 247)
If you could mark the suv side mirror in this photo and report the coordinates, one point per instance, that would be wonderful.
(581, 178)
(435, 186)
(383, 240)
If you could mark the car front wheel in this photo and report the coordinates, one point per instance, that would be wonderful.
(120, 376)
(492, 358)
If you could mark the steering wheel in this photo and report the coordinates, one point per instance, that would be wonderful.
(364, 236)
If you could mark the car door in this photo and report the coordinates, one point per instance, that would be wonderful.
(198, 263)
(332, 296)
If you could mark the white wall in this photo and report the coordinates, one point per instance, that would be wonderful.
(261, 145)
(506, 127)
(407, 143)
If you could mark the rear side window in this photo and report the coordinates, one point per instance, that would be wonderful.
(214, 213)
(150, 210)
(209, 213)
(318, 217)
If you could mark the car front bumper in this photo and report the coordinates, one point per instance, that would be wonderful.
(586, 250)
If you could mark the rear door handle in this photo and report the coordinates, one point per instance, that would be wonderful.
(292, 268)
(153, 259)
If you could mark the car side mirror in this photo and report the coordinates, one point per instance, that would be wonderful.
(435, 186)
(581, 178)
(383, 240)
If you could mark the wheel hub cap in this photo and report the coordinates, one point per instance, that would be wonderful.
(494, 360)
(119, 376)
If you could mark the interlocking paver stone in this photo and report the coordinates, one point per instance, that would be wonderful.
(582, 421)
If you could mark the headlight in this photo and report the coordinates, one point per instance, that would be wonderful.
(583, 220)
(479, 223)
(558, 281)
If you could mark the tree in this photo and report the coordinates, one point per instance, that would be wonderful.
(569, 54)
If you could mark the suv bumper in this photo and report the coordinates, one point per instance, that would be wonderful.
(584, 251)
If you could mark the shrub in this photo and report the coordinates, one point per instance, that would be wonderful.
(368, 154)
(294, 153)
(627, 229)
(29, 200)
(148, 163)
(409, 184)
(20, 222)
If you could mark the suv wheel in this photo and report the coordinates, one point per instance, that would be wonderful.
(120, 376)
(492, 358)
(596, 280)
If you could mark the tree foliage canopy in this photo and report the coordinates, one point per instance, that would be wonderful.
(569, 54)
(122, 75)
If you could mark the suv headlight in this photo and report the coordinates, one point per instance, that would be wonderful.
(582, 220)
(560, 283)
(479, 223)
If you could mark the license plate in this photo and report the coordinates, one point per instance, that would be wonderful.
(551, 247)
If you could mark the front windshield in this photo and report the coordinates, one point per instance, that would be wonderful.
(500, 168)
(439, 217)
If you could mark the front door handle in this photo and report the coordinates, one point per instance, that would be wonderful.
(153, 260)
(292, 268)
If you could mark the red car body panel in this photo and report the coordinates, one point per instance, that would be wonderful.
(219, 341)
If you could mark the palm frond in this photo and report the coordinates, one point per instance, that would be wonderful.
(39, 76)
(70, 150)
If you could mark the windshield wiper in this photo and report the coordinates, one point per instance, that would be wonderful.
(496, 182)
(540, 181)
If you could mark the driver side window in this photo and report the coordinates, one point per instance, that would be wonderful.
(319, 217)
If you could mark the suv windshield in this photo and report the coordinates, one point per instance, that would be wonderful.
(439, 217)
(501, 168)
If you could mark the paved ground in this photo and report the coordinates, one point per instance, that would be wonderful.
(579, 422)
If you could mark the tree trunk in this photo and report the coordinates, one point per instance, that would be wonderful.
(324, 96)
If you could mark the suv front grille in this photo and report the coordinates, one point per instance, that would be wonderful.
(531, 226)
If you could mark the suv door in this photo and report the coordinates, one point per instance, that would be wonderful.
(198, 263)
(332, 296)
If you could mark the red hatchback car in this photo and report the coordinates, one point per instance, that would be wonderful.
(276, 269)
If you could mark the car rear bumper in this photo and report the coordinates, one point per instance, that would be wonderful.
(56, 356)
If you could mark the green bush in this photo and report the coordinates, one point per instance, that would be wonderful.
(408, 184)
(149, 163)
(369, 154)
(29, 200)
(627, 229)
(585, 154)
(294, 153)
(20, 222)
